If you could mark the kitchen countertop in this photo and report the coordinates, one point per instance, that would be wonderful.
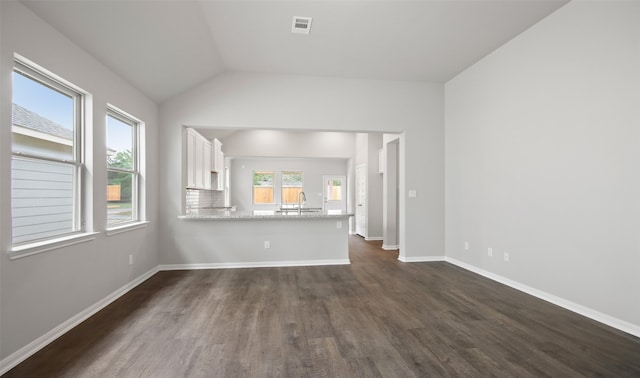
(218, 214)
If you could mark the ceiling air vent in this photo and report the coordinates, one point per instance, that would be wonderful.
(301, 25)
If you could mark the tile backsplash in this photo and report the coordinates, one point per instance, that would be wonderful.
(199, 199)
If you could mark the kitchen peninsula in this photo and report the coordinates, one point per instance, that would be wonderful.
(276, 224)
(236, 239)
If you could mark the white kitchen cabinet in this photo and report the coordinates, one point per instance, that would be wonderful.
(199, 152)
(217, 165)
(217, 162)
(217, 181)
(206, 164)
(191, 136)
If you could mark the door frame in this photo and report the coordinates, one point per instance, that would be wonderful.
(361, 209)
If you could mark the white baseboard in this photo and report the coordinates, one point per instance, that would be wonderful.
(262, 264)
(28, 350)
(390, 247)
(421, 258)
(611, 321)
(373, 238)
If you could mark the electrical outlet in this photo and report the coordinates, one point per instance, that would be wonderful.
(267, 244)
(490, 252)
(339, 224)
(466, 246)
(130, 259)
(506, 256)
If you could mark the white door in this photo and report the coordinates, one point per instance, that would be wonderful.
(361, 200)
(335, 190)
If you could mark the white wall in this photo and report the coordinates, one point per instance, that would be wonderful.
(283, 143)
(374, 188)
(261, 101)
(361, 153)
(292, 144)
(543, 157)
(40, 292)
(241, 172)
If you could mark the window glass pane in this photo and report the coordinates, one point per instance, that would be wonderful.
(334, 190)
(41, 199)
(119, 144)
(262, 187)
(123, 171)
(120, 197)
(291, 186)
(46, 166)
(42, 119)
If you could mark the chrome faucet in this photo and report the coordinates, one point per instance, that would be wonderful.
(304, 198)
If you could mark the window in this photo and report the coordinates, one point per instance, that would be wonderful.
(291, 187)
(123, 174)
(46, 159)
(262, 187)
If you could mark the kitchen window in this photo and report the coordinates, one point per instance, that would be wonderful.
(123, 171)
(46, 158)
(292, 184)
(263, 187)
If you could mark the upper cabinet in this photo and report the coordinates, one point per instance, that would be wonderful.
(205, 162)
(217, 157)
(199, 152)
(217, 165)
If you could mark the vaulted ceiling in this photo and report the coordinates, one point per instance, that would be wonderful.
(166, 47)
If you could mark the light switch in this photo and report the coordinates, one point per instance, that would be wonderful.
(412, 193)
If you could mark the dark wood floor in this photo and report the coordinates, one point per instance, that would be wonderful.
(376, 317)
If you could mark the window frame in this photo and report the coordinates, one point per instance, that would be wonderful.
(136, 171)
(282, 186)
(273, 186)
(46, 78)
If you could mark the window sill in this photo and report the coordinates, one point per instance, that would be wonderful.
(126, 228)
(49, 245)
